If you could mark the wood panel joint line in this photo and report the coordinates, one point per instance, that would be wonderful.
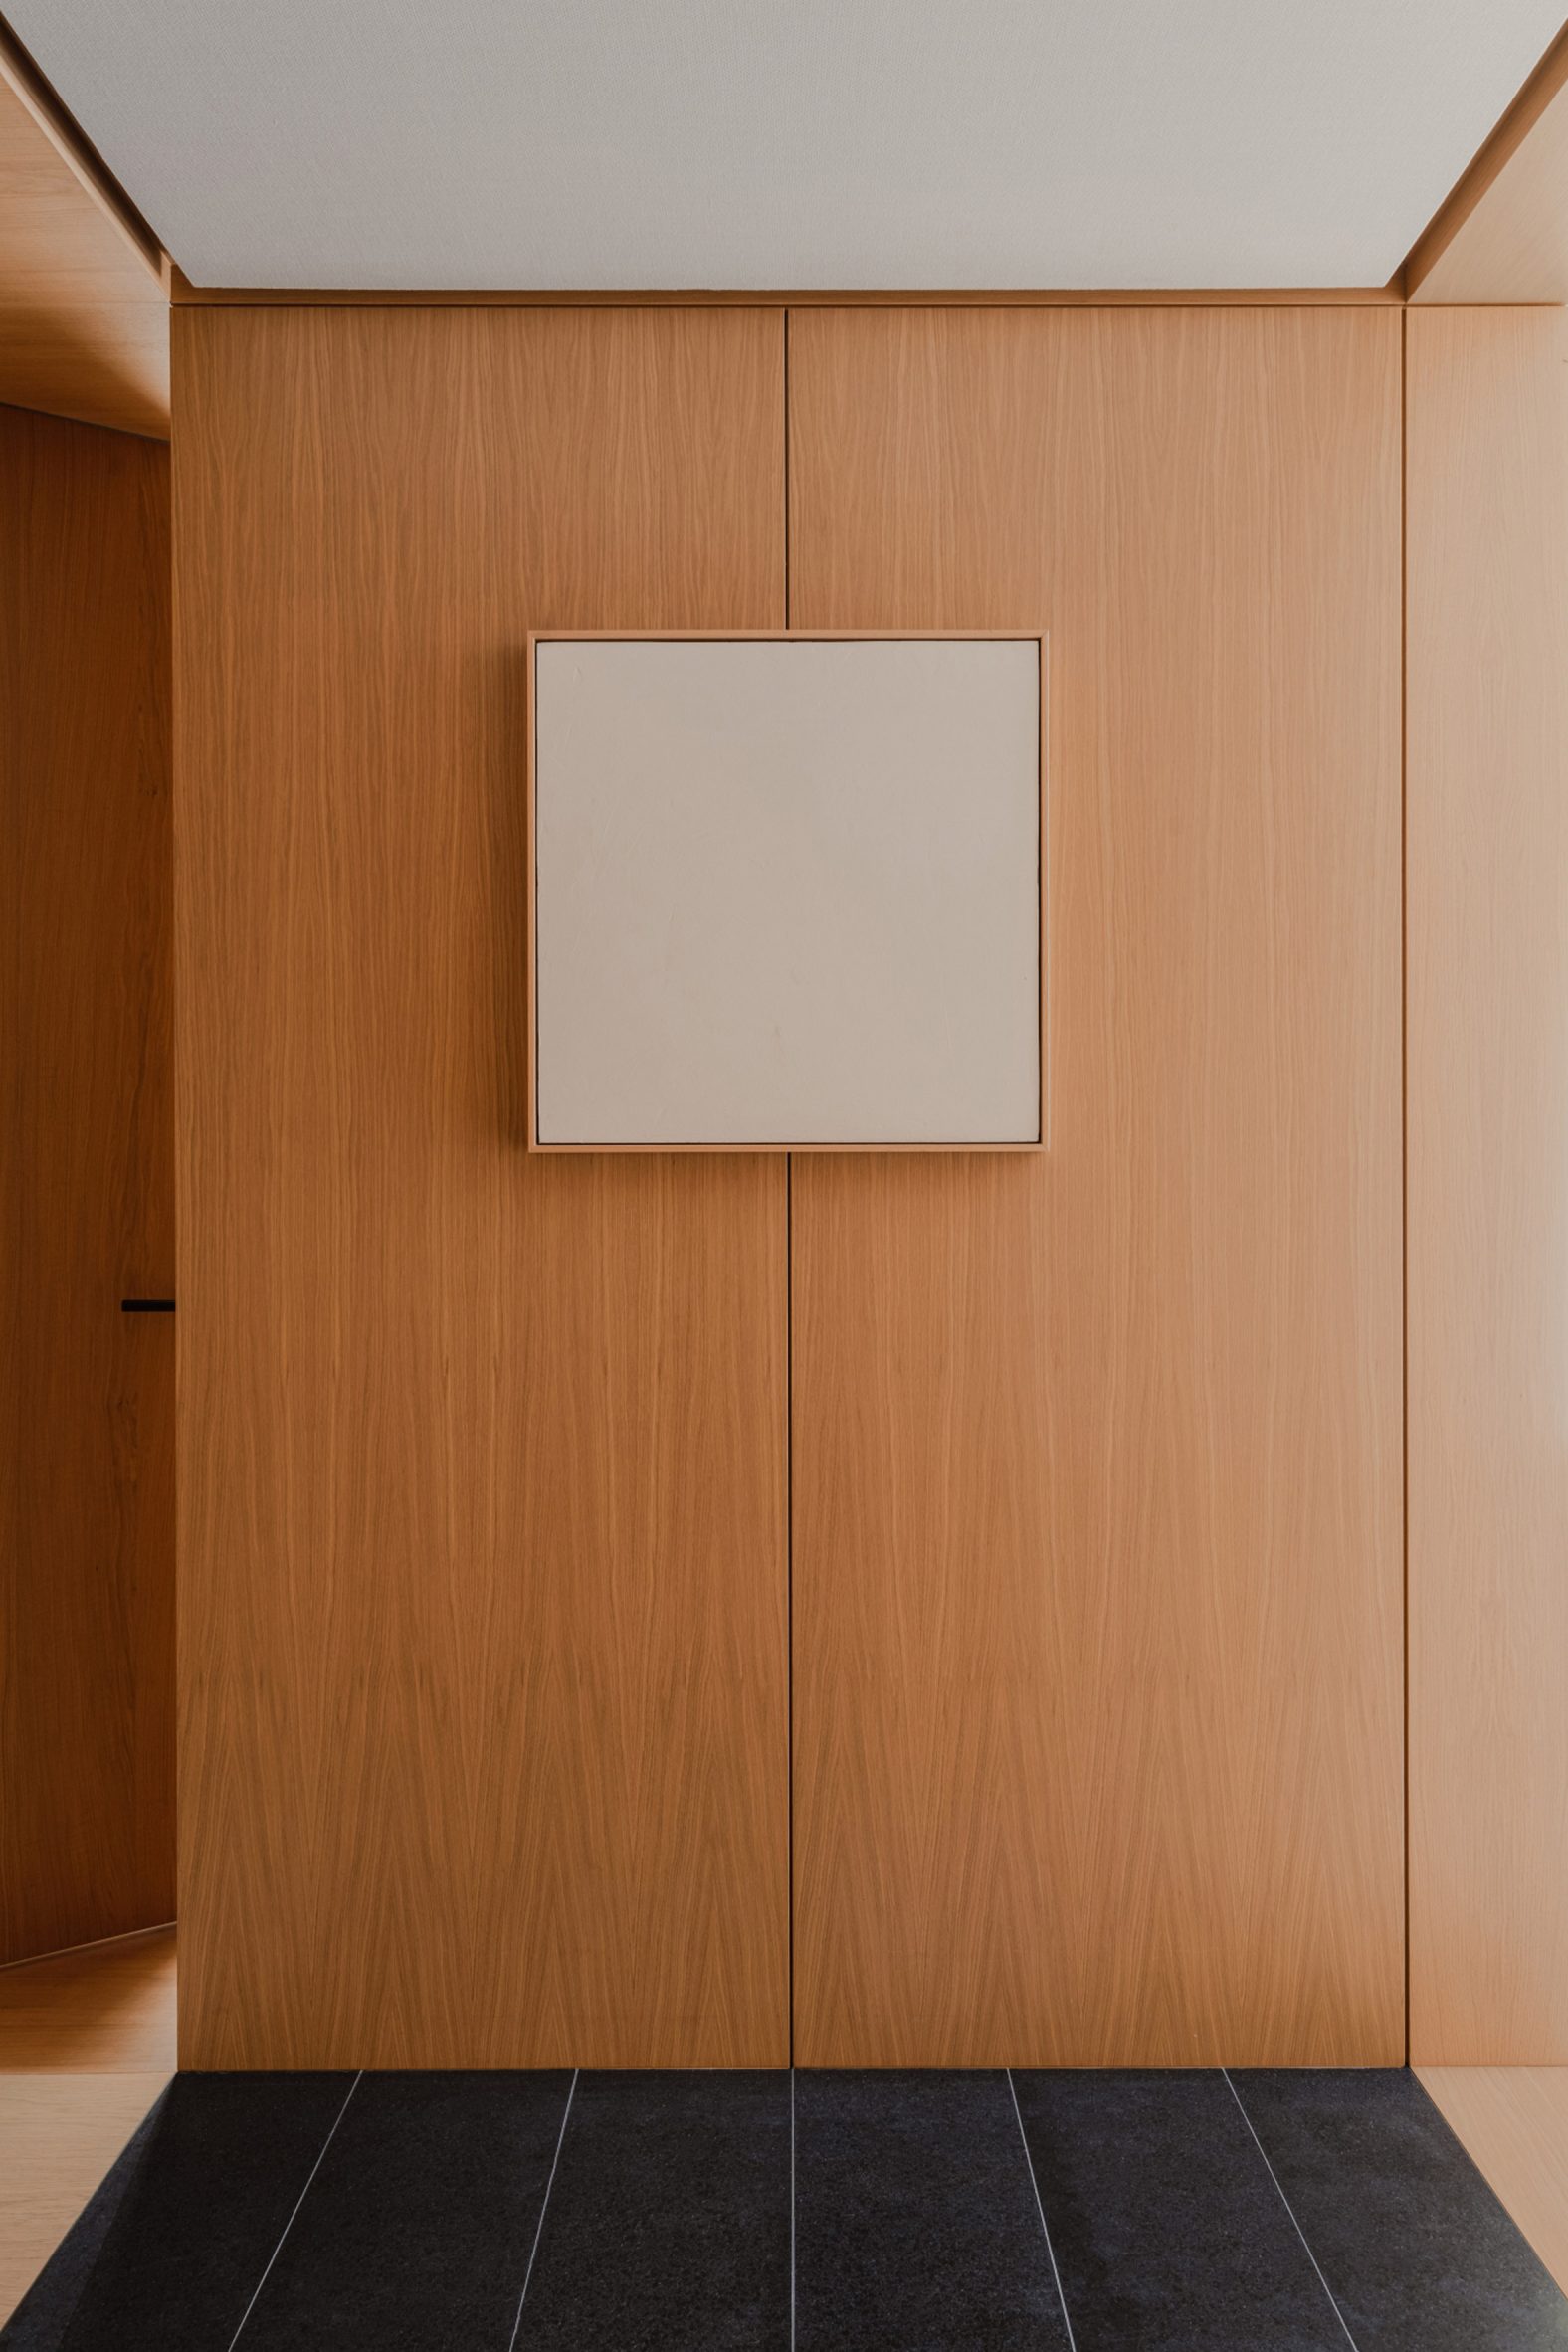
(789, 1579)
(789, 1499)
(1404, 1086)
(92, 1943)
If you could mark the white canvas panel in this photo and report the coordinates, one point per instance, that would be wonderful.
(787, 891)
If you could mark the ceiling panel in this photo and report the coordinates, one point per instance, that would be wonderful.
(842, 143)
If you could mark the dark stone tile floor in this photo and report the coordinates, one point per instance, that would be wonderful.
(1198, 2211)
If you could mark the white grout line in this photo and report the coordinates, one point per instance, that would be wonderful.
(1051, 2251)
(298, 2201)
(1290, 2209)
(792, 2210)
(538, 2233)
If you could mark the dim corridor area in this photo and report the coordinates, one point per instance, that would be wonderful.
(726, 2212)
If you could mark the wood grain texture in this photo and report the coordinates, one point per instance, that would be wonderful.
(1513, 2122)
(1487, 930)
(87, 1187)
(104, 2009)
(83, 310)
(59, 2137)
(482, 1576)
(807, 298)
(1097, 1454)
(1502, 235)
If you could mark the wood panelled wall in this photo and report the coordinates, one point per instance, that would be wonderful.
(1097, 1456)
(1488, 884)
(1096, 1461)
(482, 1598)
(87, 1187)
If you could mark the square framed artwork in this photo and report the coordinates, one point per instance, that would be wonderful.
(786, 892)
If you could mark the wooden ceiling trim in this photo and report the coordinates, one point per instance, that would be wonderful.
(39, 100)
(262, 298)
(1501, 235)
(83, 281)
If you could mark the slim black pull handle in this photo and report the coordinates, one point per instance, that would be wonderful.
(146, 1307)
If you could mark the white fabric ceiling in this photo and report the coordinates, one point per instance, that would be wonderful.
(581, 144)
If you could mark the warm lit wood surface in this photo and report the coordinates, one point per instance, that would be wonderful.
(1074, 298)
(1502, 236)
(104, 2009)
(58, 2135)
(483, 1575)
(1097, 1454)
(1487, 884)
(83, 311)
(87, 2044)
(87, 1394)
(1513, 2120)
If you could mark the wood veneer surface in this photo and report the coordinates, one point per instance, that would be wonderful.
(1488, 927)
(102, 2009)
(1513, 2121)
(83, 311)
(912, 298)
(1503, 234)
(483, 1578)
(87, 1187)
(1097, 1497)
(87, 2044)
(59, 2137)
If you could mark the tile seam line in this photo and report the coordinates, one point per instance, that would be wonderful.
(295, 2214)
(539, 2226)
(1044, 2227)
(1333, 2300)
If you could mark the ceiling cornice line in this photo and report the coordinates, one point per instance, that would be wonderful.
(55, 120)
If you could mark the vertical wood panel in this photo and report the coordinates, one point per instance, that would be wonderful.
(1488, 881)
(87, 1395)
(483, 1584)
(1098, 1456)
